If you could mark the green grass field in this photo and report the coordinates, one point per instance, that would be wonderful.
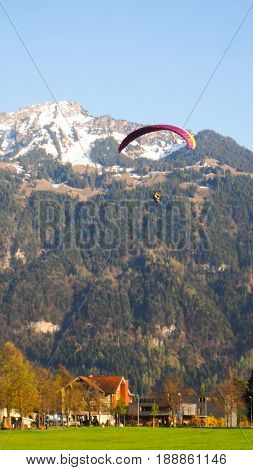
(128, 438)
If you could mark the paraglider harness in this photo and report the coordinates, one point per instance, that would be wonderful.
(156, 197)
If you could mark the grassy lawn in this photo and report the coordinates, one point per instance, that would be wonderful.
(128, 438)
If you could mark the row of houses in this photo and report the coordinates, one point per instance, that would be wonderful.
(112, 390)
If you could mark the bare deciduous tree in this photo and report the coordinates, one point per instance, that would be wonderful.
(46, 392)
(230, 395)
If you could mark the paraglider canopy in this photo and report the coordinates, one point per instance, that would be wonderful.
(186, 135)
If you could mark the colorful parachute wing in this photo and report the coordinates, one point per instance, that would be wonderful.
(186, 135)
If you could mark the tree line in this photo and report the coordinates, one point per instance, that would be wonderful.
(29, 388)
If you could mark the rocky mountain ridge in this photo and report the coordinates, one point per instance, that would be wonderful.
(67, 131)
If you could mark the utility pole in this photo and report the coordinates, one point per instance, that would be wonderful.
(226, 414)
(250, 397)
(138, 409)
(180, 414)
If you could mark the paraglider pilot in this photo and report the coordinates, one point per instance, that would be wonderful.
(156, 197)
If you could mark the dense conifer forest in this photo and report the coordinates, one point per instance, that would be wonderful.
(130, 287)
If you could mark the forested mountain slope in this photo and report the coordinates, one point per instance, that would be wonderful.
(117, 284)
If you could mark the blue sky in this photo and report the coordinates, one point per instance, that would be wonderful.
(141, 60)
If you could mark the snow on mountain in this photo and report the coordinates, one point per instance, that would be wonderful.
(67, 131)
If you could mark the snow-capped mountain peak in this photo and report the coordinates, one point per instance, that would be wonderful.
(67, 131)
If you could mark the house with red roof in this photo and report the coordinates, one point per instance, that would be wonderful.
(102, 393)
(114, 386)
